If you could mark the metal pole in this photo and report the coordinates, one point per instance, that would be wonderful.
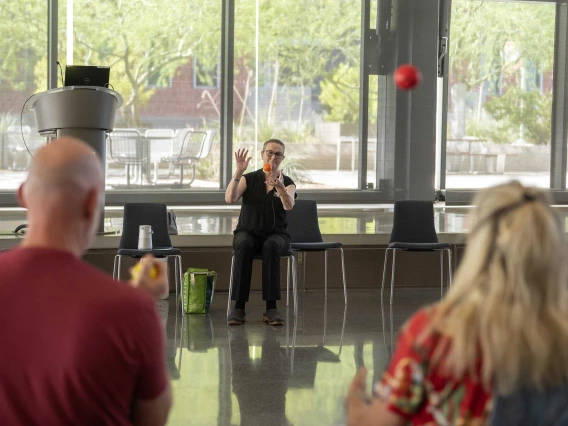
(52, 24)
(227, 74)
(366, 37)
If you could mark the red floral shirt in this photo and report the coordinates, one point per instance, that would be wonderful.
(419, 392)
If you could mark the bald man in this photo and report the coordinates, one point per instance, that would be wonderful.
(77, 347)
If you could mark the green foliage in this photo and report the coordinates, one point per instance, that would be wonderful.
(516, 107)
(302, 134)
(141, 41)
(23, 41)
(293, 166)
(340, 95)
(294, 51)
(501, 47)
(487, 38)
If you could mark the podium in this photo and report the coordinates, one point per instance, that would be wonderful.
(82, 112)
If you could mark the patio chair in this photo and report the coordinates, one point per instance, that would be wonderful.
(195, 146)
(125, 148)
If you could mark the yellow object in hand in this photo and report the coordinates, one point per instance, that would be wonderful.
(137, 269)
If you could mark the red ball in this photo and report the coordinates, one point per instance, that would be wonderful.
(407, 77)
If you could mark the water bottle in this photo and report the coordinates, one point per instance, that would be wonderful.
(145, 237)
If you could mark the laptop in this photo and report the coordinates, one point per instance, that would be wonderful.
(77, 75)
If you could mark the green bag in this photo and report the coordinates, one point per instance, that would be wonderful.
(197, 290)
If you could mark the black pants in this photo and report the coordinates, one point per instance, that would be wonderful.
(246, 245)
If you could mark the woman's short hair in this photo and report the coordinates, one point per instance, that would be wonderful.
(278, 141)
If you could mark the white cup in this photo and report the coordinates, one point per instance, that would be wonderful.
(145, 237)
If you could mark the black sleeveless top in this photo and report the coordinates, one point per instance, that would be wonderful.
(262, 212)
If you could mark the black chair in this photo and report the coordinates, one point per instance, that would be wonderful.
(303, 227)
(413, 230)
(290, 256)
(155, 215)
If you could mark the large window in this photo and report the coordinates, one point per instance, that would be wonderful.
(297, 68)
(500, 93)
(167, 121)
(23, 65)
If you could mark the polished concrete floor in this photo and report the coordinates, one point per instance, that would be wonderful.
(297, 374)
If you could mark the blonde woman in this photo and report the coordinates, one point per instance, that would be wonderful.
(503, 326)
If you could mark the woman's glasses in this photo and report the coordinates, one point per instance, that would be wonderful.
(278, 155)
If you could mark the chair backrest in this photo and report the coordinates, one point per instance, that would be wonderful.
(303, 225)
(153, 214)
(207, 144)
(160, 143)
(179, 137)
(159, 133)
(124, 145)
(192, 145)
(413, 222)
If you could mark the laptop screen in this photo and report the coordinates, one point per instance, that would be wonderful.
(77, 75)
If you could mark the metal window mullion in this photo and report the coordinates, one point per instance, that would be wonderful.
(52, 28)
(443, 64)
(559, 133)
(364, 93)
(227, 81)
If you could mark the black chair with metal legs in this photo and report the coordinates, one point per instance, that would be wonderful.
(413, 231)
(155, 215)
(290, 256)
(303, 227)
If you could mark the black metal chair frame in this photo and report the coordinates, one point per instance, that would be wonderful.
(415, 233)
(290, 256)
(308, 238)
(164, 248)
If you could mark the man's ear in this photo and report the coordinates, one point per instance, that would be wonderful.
(91, 206)
(20, 196)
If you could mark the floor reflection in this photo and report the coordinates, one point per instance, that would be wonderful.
(260, 377)
(293, 375)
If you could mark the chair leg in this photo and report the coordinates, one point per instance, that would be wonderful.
(342, 330)
(179, 278)
(450, 268)
(442, 274)
(295, 286)
(392, 276)
(325, 276)
(382, 293)
(288, 282)
(343, 271)
(175, 274)
(118, 270)
(192, 175)
(324, 318)
(230, 286)
(114, 267)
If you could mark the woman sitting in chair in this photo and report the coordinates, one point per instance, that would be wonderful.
(502, 327)
(262, 228)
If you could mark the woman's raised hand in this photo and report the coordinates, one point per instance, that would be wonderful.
(242, 160)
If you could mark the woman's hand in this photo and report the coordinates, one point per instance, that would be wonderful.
(357, 401)
(362, 410)
(242, 160)
(276, 181)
